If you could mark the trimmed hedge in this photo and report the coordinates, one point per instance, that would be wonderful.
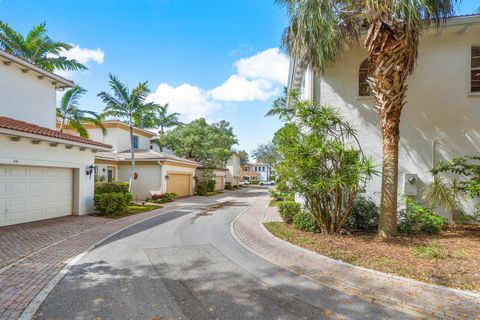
(228, 186)
(109, 187)
(288, 210)
(113, 203)
(211, 185)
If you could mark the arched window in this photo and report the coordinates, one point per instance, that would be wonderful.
(363, 87)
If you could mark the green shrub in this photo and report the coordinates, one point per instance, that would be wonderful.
(287, 210)
(364, 215)
(228, 186)
(211, 185)
(114, 203)
(109, 187)
(201, 189)
(235, 187)
(274, 193)
(255, 182)
(304, 221)
(418, 219)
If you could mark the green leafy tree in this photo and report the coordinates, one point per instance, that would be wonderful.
(244, 158)
(322, 161)
(321, 30)
(127, 104)
(267, 153)
(37, 48)
(209, 144)
(69, 113)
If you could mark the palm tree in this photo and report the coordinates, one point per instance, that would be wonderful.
(37, 48)
(128, 105)
(321, 30)
(69, 113)
(158, 118)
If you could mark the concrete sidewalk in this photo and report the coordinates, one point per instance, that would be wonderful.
(43, 262)
(416, 298)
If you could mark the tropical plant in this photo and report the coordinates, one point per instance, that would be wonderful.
(69, 113)
(268, 154)
(209, 144)
(127, 104)
(280, 107)
(418, 219)
(443, 193)
(322, 161)
(37, 48)
(159, 118)
(467, 167)
(321, 30)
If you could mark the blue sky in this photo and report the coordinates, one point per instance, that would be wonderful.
(218, 58)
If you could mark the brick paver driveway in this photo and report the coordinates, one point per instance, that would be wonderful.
(33, 254)
(19, 241)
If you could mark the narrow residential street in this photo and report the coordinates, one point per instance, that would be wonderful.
(185, 264)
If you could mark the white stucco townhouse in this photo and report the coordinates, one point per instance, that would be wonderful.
(43, 173)
(441, 119)
(233, 166)
(156, 172)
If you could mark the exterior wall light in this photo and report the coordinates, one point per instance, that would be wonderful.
(90, 170)
(167, 177)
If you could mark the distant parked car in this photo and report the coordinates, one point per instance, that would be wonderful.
(267, 183)
(244, 183)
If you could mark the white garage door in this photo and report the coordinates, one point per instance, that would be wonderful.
(34, 193)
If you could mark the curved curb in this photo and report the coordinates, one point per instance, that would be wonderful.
(390, 302)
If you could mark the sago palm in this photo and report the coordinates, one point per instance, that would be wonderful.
(69, 113)
(321, 30)
(37, 48)
(129, 105)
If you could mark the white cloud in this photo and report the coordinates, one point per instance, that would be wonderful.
(270, 65)
(238, 88)
(84, 55)
(257, 78)
(190, 101)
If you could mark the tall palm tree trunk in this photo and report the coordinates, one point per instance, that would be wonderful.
(132, 163)
(390, 60)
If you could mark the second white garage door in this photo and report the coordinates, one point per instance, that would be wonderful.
(34, 193)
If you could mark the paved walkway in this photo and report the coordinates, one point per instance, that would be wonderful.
(417, 298)
(54, 245)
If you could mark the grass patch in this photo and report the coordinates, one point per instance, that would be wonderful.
(274, 203)
(433, 251)
(132, 210)
(430, 258)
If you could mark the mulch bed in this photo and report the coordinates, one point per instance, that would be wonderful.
(451, 258)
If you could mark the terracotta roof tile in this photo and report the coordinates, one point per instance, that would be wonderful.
(17, 125)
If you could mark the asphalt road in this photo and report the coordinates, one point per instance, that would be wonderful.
(186, 265)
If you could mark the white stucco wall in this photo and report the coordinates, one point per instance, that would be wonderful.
(147, 183)
(233, 166)
(25, 97)
(23, 152)
(118, 138)
(441, 118)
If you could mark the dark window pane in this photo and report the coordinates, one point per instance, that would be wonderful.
(475, 86)
(476, 62)
(475, 75)
(476, 51)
